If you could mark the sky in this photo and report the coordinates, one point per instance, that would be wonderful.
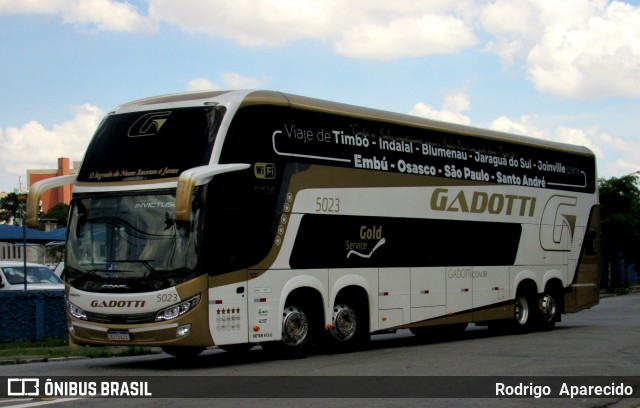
(564, 70)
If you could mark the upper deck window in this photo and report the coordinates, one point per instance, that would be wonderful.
(151, 145)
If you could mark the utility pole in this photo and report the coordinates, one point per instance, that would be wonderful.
(635, 174)
(24, 236)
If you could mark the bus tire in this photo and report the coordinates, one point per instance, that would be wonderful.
(549, 311)
(423, 331)
(344, 323)
(296, 327)
(349, 328)
(297, 333)
(183, 351)
(452, 330)
(525, 312)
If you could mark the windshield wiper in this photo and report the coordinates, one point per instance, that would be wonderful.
(145, 263)
(85, 275)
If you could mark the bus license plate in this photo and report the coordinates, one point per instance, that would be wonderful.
(122, 335)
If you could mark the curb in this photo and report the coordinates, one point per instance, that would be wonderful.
(627, 291)
(36, 359)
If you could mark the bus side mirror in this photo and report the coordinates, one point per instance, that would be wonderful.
(196, 176)
(37, 189)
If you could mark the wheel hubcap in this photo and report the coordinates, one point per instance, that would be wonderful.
(522, 310)
(295, 326)
(549, 308)
(344, 323)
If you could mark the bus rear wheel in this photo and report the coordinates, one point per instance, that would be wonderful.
(549, 311)
(295, 327)
(344, 323)
(349, 328)
(525, 312)
(297, 333)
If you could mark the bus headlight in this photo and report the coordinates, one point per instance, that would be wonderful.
(174, 311)
(75, 311)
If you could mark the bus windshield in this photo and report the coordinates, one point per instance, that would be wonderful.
(129, 238)
(180, 139)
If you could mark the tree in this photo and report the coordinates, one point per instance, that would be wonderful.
(58, 214)
(620, 219)
(12, 206)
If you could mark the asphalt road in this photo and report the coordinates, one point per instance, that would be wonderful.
(601, 345)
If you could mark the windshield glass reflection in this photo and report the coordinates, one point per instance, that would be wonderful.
(129, 237)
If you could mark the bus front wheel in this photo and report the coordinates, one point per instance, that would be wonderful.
(182, 351)
(237, 348)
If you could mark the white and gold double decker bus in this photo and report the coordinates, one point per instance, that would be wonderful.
(236, 218)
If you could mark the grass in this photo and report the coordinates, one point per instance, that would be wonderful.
(53, 348)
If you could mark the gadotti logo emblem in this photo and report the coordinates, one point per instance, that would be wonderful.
(558, 224)
(149, 124)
